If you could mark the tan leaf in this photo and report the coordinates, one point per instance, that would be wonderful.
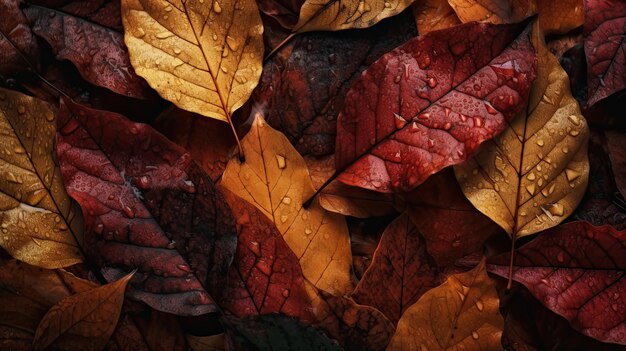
(460, 314)
(83, 321)
(276, 180)
(346, 14)
(433, 15)
(559, 16)
(205, 57)
(40, 224)
(493, 11)
(534, 174)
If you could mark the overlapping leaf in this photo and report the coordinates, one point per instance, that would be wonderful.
(429, 103)
(40, 224)
(433, 15)
(148, 206)
(617, 153)
(533, 175)
(492, 11)
(204, 57)
(15, 33)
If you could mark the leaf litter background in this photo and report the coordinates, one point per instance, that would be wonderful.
(312, 175)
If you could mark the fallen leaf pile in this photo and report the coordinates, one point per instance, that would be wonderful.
(313, 175)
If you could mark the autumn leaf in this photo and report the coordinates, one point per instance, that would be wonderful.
(462, 313)
(206, 343)
(275, 179)
(429, 103)
(284, 12)
(98, 52)
(604, 47)
(559, 16)
(615, 143)
(576, 270)
(148, 206)
(402, 265)
(493, 11)
(533, 175)
(433, 15)
(191, 54)
(346, 14)
(15, 33)
(85, 320)
(40, 224)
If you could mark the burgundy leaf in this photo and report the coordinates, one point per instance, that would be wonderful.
(429, 104)
(98, 52)
(14, 29)
(604, 31)
(286, 12)
(103, 12)
(616, 143)
(577, 271)
(147, 205)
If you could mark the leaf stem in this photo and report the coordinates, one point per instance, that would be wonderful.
(279, 46)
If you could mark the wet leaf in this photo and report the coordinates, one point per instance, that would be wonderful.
(433, 15)
(149, 206)
(40, 224)
(462, 313)
(429, 104)
(402, 266)
(577, 271)
(493, 11)
(337, 14)
(604, 31)
(616, 142)
(275, 179)
(533, 175)
(189, 52)
(97, 52)
(85, 320)
(14, 29)
(558, 16)
(284, 11)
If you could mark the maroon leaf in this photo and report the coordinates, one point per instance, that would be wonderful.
(577, 271)
(402, 266)
(103, 12)
(616, 143)
(97, 52)
(304, 92)
(286, 12)
(429, 103)
(604, 31)
(14, 29)
(147, 205)
(265, 276)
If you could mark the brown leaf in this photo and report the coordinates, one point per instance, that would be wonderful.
(191, 54)
(206, 343)
(433, 15)
(559, 16)
(493, 11)
(41, 225)
(275, 179)
(14, 29)
(462, 313)
(85, 320)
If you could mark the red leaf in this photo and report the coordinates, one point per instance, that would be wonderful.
(14, 27)
(429, 103)
(577, 271)
(604, 30)
(265, 276)
(97, 52)
(147, 205)
(402, 266)
(103, 12)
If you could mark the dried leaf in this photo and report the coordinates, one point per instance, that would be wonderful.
(462, 313)
(604, 31)
(40, 224)
(275, 179)
(493, 11)
(430, 103)
(433, 15)
(533, 175)
(192, 55)
(148, 206)
(338, 14)
(577, 271)
(85, 320)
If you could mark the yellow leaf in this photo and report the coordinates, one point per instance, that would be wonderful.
(346, 14)
(205, 57)
(84, 321)
(493, 11)
(534, 174)
(460, 314)
(433, 15)
(39, 223)
(276, 180)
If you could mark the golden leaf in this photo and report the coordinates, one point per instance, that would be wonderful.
(560, 16)
(346, 14)
(493, 11)
(205, 57)
(39, 223)
(534, 174)
(433, 15)
(83, 321)
(460, 314)
(275, 179)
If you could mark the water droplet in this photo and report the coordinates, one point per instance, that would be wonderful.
(574, 119)
(129, 212)
(264, 268)
(255, 248)
(308, 231)
(280, 161)
(556, 210)
(177, 51)
(423, 116)
(286, 293)
(387, 4)
(168, 8)
(214, 36)
(414, 127)
(432, 82)
(614, 307)
(480, 305)
(423, 61)
(476, 87)
(185, 268)
(431, 142)
(531, 176)
(286, 200)
(531, 188)
(490, 108)
(574, 132)
(447, 126)
(164, 35)
(560, 257)
(571, 174)
(216, 7)
(475, 335)
(548, 100)
(232, 43)
(21, 109)
(11, 177)
(540, 142)
(99, 228)
(478, 122)
(49, 116)
(400, 121)
(171, 244)
(284, 218)
(35, 197)
(224, 69)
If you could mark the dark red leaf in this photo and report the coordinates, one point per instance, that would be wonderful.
(103, 12)
(147, 205)
(616, 143)
(304, 92)
(429, 103)
(286, 12)
(605, 47)
(402, 266)
(577, 271)
(98, 52)
(14, 29)
(265, 276)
